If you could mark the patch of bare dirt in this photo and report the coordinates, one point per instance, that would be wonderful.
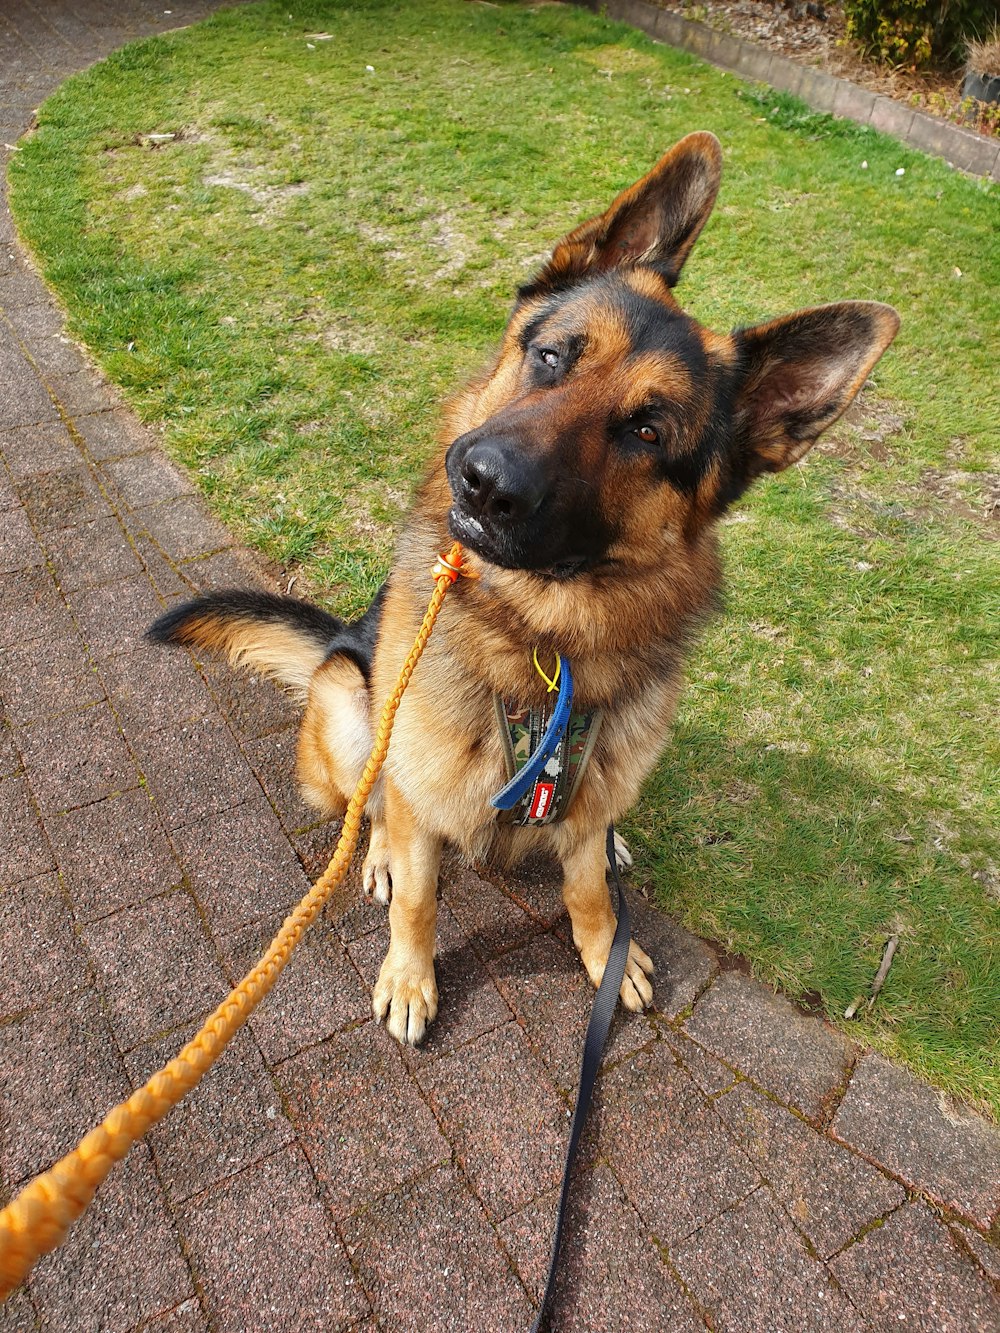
(863, 438)
(814, 33)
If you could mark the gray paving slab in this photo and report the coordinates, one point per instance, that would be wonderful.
(548, 989)
(76, 758)
(31, 607)
(9, 498)
(319, 995)
(239, 864)
(469, 1002)
(24, 400)
(38, 448)
(959, 146)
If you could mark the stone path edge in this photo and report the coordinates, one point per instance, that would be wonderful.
(823, 92)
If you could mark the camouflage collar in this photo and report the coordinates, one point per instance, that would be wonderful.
(549, 797)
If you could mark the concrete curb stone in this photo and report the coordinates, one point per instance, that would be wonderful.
(959, 147)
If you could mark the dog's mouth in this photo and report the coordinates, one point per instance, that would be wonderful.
(498, 549)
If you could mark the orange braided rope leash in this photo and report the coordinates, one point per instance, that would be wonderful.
(38, 1219)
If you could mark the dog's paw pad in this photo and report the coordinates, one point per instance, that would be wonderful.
(406, 1000)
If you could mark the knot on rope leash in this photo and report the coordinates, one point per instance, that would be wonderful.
(38, 1218)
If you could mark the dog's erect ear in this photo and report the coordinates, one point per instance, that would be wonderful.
(655, 222)
(798, 374)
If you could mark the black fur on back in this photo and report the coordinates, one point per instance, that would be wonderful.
(357, 640)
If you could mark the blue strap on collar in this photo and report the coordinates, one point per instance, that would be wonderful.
(522, 781)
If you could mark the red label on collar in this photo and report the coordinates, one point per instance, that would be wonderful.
(541, 799)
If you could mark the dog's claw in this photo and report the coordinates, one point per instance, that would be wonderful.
(376, 881)
(406, 999)
(376, 875)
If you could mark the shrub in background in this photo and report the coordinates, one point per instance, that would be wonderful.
(918, 32)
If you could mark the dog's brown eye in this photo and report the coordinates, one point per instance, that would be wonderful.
(647, 434)
(549, 355)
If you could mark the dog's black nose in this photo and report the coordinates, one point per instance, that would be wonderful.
(498, 482)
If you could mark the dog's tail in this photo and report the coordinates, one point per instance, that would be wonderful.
(280, 637)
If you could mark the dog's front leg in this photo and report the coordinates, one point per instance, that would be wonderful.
(585, 892)
(406, 992)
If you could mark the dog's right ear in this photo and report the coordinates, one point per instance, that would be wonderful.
(655, 222)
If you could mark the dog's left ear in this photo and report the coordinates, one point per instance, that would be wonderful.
(654, 222)
(798, 374)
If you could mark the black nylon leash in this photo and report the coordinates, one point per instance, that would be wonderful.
(593, 1048)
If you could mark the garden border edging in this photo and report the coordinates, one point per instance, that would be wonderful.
(823, 92)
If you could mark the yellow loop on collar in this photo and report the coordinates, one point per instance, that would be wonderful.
(553, 682)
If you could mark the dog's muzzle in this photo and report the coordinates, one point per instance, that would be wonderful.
(499, 491)
(496, 484)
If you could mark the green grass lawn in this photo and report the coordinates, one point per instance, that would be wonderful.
(323, 250)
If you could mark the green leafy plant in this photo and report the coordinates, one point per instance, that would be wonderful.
(917, 32)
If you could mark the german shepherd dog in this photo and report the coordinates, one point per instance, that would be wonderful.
(585, 473)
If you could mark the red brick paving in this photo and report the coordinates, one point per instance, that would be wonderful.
(739, 1168)
(751, 1269)
(910, 1274)
(612, 1274)
(265, 1253)
(669, 1147)
(364, 1124)
(59, 499)
(923, 1137)
(232, 1119)
(830, 1193)
(429, 1259)
(93, 1283)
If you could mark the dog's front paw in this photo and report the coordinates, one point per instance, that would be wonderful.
(636, 992)
(376, 877)
(406, 999)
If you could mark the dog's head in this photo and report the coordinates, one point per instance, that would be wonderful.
(613, 425)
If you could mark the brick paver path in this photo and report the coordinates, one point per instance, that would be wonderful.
(746, 1167)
